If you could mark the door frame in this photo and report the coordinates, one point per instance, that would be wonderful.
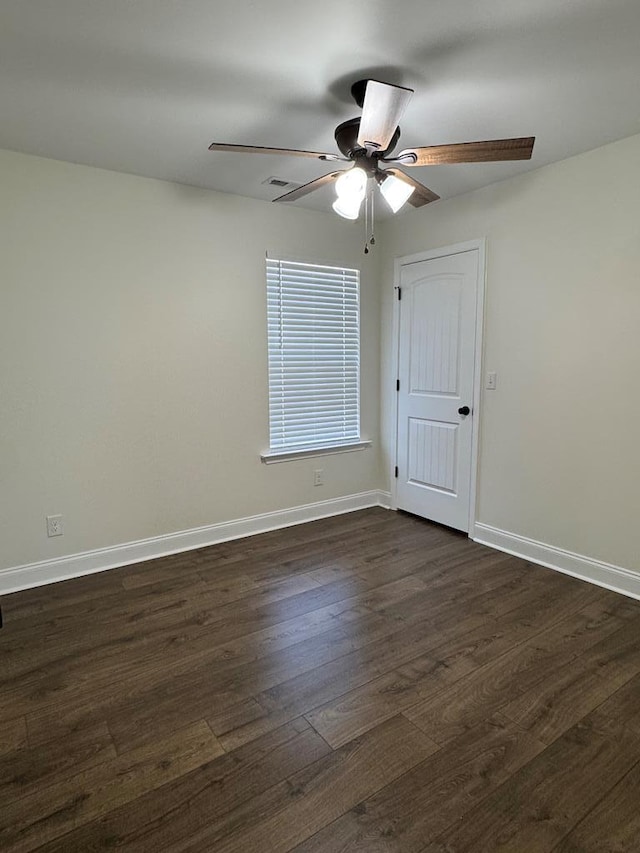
(429, 255)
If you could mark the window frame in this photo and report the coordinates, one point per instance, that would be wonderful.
(283, 453)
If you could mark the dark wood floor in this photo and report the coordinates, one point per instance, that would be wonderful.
(369, 682)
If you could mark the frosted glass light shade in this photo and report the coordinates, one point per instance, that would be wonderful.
(352, 184)
(346, 206)
(395, 192)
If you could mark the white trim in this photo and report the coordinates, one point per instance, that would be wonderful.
(297, 299)
(269, 457)
(75, 565)
(310, 261)
(477, 382)
(588, 569)
(445, 251)
(384, 499)
(395, 355)
(442, 252)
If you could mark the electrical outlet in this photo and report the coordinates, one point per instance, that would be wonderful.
(318, 477)
(54, 525)
(492, 381)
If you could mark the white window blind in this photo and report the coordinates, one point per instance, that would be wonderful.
(314, 355)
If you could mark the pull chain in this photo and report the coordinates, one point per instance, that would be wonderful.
(372, 239)
(369, 239)
(366, 223)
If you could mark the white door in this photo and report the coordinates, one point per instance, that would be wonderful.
(436, 379)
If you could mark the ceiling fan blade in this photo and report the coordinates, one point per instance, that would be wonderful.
(468, 152)
(258, 149)
(382, 110)
(305, 189)
(420, 195)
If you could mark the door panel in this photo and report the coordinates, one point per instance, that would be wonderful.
(436, 370)
(434, 337)
(432, 454)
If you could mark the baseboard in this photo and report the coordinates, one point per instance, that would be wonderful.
(609, 576)
(384, 499)
(62, 568)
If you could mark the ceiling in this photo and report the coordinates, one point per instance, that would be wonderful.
(143, 86)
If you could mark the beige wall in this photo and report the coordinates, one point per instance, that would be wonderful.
(133, 357)
(560, 437)
(133, 353)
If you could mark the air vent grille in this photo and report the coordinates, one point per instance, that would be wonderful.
(281, 183)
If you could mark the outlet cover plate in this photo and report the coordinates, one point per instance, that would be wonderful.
(54, 525)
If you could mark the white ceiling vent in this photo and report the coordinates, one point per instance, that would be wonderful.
(281, 183)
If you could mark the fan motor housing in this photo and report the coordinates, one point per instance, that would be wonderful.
(346, 135)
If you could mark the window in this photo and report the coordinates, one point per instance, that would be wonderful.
(314, 356)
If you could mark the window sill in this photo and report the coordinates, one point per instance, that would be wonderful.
(272, 456)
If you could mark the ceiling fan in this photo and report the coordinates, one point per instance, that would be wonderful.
(368, 142)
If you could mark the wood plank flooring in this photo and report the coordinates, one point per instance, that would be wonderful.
(370, 682)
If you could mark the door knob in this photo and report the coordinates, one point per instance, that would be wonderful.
(464, 410)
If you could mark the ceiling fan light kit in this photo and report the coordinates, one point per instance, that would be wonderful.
(351, 187)
(352, 184)
(395, 192)
(368, 142)
(348, 208)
